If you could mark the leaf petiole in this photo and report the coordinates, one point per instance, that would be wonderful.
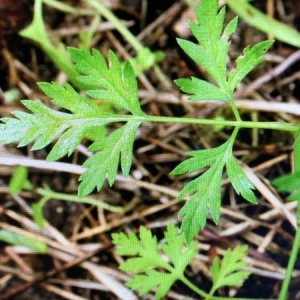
(49, 194)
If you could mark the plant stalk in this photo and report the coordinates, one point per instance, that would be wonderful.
(134, 42)
(235, 110)
(48, 194)
(129, 37)
(208, 297)
(98, 121)
(242, 124)
(292, 261)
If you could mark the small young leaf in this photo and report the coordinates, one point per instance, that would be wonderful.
(240, 182)
(14, 238)
(145, 59)
(149, 258)
(229, 272)
(174, 246)
(247, 62)
(289, 183)
(19, 180)
(145, 283)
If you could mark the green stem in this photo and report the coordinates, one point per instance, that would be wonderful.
(242, 124)
(48, 194)
(265, 23)
(135, 43)
(194, 288)
(291, 264)
(129, 37)
(58, 53)
(67, 8)
(235, 110)
(227, 298)
(234, 134)
(99, 121)
(208, 297)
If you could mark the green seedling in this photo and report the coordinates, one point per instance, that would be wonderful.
(58, 52)
(148, 262)
(19, 180)
(116, 84)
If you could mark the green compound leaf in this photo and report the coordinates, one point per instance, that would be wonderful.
(46, 125)
(117, 146)
(115, 84)
(229, 272)
(211, 53)
(149, 259)
(205, 190)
